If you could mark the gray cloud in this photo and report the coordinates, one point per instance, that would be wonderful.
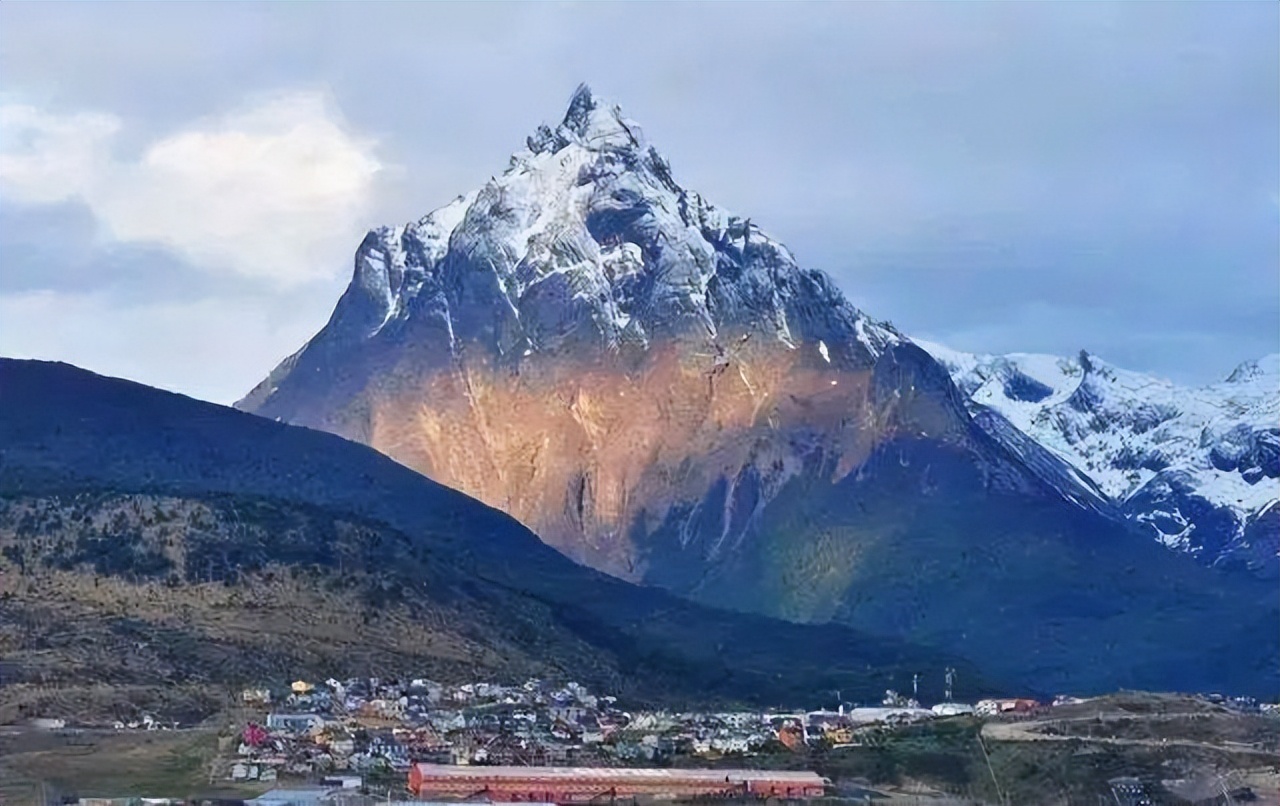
(61, 248)
(996, 176)
(139, 311)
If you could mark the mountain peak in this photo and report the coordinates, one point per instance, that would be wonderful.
(591, 122)
(1258, 368)
(593, 118)
(581, 105)
(1086, 361)
(587, 238)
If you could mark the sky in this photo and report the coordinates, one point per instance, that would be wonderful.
(183, 186)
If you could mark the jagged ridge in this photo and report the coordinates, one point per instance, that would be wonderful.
(585, 242)
(1196, 467)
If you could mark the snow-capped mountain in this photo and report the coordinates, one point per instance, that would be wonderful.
(1198, 467)
(661, 391)
(586, 241)
(586, 252)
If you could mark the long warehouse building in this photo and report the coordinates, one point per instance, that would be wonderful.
(581, 784)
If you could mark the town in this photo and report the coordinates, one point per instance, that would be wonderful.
(365, 726)
(371, 740)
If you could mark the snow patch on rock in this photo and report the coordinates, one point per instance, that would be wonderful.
(588, 236)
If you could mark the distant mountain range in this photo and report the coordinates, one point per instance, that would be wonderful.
(1196, 468)
(150, 539)
(660, 391)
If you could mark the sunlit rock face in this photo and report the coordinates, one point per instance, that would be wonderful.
(583, 343)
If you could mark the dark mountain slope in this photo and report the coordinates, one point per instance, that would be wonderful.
(275, 499)
(927, 540)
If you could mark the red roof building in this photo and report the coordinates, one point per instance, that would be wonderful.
(581, 784)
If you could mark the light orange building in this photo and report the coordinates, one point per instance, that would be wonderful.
(1005, 706)
(791, 737)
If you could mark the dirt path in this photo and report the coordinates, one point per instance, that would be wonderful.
(1030, 732)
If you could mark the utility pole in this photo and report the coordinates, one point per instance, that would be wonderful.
(990, 769)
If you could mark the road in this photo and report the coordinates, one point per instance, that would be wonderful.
(1030, 732)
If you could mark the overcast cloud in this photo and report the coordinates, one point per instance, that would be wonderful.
(182, 185)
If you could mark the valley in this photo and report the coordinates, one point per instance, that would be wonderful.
(591, 490)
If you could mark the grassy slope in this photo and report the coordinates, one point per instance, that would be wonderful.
(66, 432)
(163, 764)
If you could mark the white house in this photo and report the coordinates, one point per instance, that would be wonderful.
(294, 723)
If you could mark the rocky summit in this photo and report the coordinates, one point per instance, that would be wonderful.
(659, 390)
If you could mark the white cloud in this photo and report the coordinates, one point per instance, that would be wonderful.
(277, 190)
